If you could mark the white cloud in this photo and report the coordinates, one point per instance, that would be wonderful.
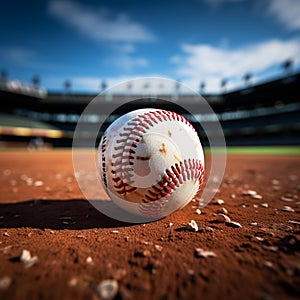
(212, 64)
(287, 12)
(98, 23)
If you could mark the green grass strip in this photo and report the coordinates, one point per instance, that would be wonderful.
(268, 150)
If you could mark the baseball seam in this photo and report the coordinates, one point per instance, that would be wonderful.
(158, 194)
(129, 138)
(103, 159)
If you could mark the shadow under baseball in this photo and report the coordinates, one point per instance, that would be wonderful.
(71, 214)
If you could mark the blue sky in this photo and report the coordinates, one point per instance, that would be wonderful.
(190, 41)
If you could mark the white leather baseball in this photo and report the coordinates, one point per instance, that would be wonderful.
(151, 162)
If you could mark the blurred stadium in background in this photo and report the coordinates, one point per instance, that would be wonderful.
(264, 114)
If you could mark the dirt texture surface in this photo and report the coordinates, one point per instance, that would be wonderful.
(73, 248)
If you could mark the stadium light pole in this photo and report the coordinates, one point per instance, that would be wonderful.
(103, 85)
(287, 66)
(202, 87)
(223, 85)
(36, 81)
(67, 87)
(247, 79)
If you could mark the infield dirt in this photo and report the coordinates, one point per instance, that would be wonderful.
(42, 210)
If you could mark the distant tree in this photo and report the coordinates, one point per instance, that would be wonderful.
(223, 84)
(36, 81)
(67, 86)
(3, 76)
(287, 66)
(247, 78)
(103, 85)
(202, 87)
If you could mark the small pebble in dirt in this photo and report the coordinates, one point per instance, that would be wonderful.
(271, 248)
(144, 253)
(107, 289)
(275, 182)
(268, 264)
(199, 252)
(209, 229)
(25, 256)
(193, 226)
(220, 201)
(89, 260)
(191, 272)
(257, 197)
(222, 218)
(38, 183)
(115, 231)
(6, 234)
(264, 205)
(249, 193)
(286, 199)
(80, 236)
(223, 210)
(198, 211)
(260, 238)
(5, 282)
(288, 209)
(27, 259)
(294, 222)
(233, 224)
(254, 224)
(73, 282)
(158, 248)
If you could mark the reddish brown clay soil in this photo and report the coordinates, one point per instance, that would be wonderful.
(43, 211)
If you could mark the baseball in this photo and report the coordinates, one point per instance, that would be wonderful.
(151, 162)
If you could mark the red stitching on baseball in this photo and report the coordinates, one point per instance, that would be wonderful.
(171, 179)
(130, 137)
(103, 149)
(153, 208)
